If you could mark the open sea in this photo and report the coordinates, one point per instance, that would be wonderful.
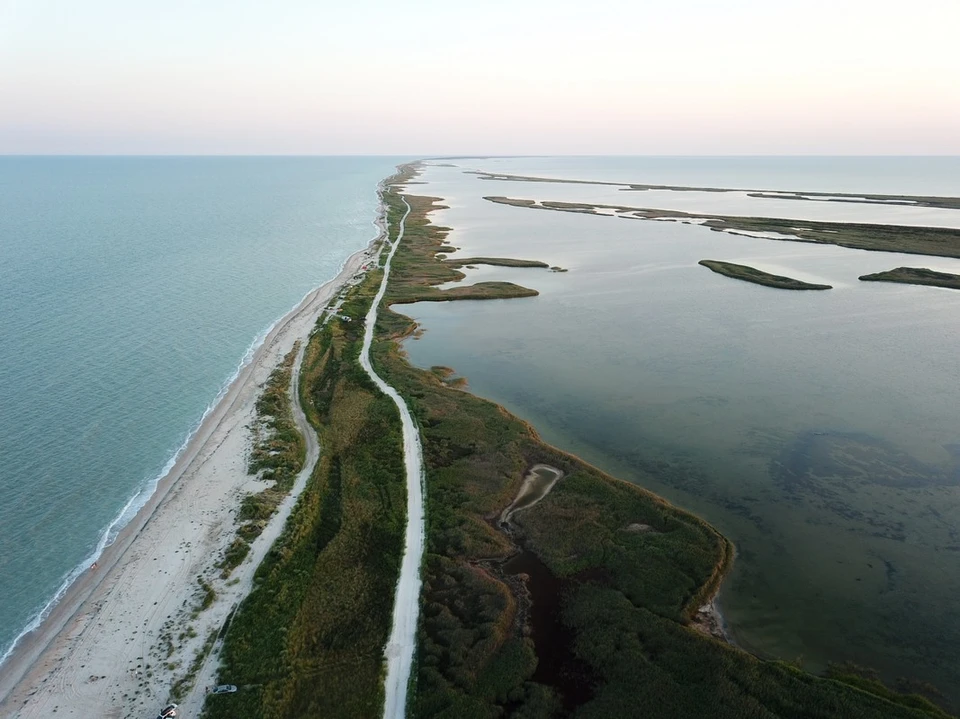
(131, 290)
(820, 431)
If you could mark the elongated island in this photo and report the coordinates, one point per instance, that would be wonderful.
(916, 276)
(759, 277)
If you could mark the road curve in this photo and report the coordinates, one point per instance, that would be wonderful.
(406, 608)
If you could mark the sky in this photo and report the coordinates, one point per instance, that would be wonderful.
(661, 77)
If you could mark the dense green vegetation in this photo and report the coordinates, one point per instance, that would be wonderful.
(498, 261)
(759, 277)
(308, 641)
(626, 597)
(478, 291)
(916, 276)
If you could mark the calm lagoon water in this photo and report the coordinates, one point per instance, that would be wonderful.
(818, 430)
(131, 290)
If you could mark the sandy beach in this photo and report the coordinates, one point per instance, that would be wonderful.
(128, 629)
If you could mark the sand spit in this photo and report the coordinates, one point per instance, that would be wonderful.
(128, 629)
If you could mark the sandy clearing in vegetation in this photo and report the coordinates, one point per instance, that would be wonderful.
(536, 485)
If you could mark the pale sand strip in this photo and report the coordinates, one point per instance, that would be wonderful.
(90, 657)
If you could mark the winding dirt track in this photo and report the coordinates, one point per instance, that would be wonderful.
(406, 608)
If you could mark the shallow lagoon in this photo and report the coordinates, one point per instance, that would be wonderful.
(819, 431)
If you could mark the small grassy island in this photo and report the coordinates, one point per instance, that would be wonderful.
(496, 261)
(916, 276)
(759, 277)
(584, 604)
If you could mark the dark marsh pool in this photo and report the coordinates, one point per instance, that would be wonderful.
(819, 431)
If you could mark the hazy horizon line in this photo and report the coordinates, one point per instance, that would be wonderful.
(472, 156)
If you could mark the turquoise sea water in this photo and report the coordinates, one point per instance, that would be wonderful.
(820, 431)
(131, 289)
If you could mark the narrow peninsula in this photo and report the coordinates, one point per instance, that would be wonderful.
(759, 277)
(948, 203)
(908, 239)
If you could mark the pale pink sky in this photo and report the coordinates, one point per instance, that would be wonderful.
(498, 77)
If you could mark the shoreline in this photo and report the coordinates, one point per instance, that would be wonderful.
(113, 531)
(212, 461)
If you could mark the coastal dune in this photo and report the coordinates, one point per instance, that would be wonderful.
(132, 626)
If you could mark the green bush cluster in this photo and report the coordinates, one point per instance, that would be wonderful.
(653, 667)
